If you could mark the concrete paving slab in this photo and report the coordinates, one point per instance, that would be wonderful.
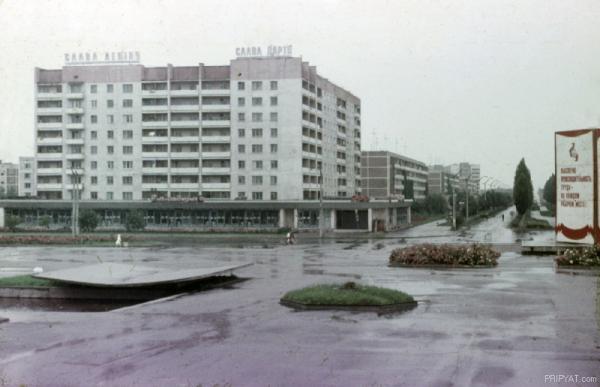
(132, 275)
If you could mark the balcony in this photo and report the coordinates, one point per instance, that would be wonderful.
(155, 140)
(185, 155)
(72, 186)
(184, 185)
(216, 92)
(75, 125)
(154, 124)
(216, 108)
(49, 171)
(155, 93)
(155, 185)
(74, 156)
(49, 186)
(216, 170)
(49, 156)
(215, 155)
(74, 110)
(216, 186)
(155, 108)
(216, 139)
(74, 171)
(74, 95)
(155, 170)
(42, 111)
(53, 96)
(180, 139)
(74, 141)
(49, 140)
(216, 123)
(185, 170)
(185, 108)
(49, 125)
(185, 124)
(154, 155)
(184, 93)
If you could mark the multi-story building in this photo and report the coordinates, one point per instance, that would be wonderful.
(441, 182)
(9, 179)
(265, 128)
(467, 173)
(26, 176)
(387, 175)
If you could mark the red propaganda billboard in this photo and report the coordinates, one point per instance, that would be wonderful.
(576, 157)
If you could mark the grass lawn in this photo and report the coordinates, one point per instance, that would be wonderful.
(348, 294)
(24, 280)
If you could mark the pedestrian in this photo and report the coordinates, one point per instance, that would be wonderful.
(503, 217)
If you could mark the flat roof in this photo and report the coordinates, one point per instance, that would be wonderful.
(109, 274)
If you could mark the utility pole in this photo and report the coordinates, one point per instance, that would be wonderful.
(467, 199)
(75, 199)
(453, 208)
(321, 202)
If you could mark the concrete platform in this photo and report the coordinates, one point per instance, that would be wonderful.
(547, 247)
(132, 275)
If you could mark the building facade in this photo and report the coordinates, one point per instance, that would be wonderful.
(390, 175)
(267, 128)
(441, 182)
(27, 177)
(9, 179)
(468, 174)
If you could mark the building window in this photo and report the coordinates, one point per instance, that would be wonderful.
(241, 180)
(241, 133)
(93, 135)
(127, 88)
(273, 180)
(258, 164)
(241, 164)
(109, 88)
(273, 148)
(274, 164)
(256, 101)
(94, 103)
(257, 132)
(127, 150)
(110, 134)
(273, 132)
(127, 164)
(128, 134)
(257, 180)
(241, 101)
(256, 85)
(109, 180)
(273, 101)
(94, 195)
(241, 117)
(109, 196)
(94, 165)
(273, 195)
(257, 148)
(256, 117)
(257, 196)
(93, 89)
(94, 180)
(128, 118)
(110, 119)
(127, 180)
(110, 103)
(274, 117)
(127, 195)
(94, 149)
(127, 103)
(241, 85)
(110, 149)
(110, 164)
(94, 119)
(274, 85)
(241, 148)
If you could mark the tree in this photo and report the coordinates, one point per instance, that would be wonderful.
(11, 222)
(550, 192)
(436, 204)
(88, 220)
(522, 188)
(408, 188)
(45, 221)
(448, 186)
(135, 221)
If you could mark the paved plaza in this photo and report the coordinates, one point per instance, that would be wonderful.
(512, 325)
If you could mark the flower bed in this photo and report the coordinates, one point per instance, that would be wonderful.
(445, 255)
(585, 256)
(56, 239)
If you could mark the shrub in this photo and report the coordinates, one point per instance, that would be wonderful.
(88, 220)
(349, 294)
(429, 254)
(45, 221)
(135, 221)
(586, 256)
(11, 222)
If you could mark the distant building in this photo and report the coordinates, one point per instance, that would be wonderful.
(26, 176)
(388, 175)
(9, 179)
(466, 173)
(441, 182)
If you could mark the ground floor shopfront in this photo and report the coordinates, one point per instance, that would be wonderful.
(213, 215)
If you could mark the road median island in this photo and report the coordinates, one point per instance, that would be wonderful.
(349, 296)
(444, 256)
(579, 260)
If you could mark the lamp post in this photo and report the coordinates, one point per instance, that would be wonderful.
(321, 202)
(75, 199)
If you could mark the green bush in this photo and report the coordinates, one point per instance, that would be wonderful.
(88, 220)
(11, 222)
(586, 256)
(45, 221)
(135, 221)
(429, 254)
(348, 294)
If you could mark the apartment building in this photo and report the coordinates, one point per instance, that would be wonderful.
(442, 182)
(262, 128)
(27, 177)
(9, 179)
(467, 173)
(390, 175)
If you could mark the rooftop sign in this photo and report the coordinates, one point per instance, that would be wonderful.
(89, 58)
(260, 52)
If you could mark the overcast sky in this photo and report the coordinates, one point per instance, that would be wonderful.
(487, 82)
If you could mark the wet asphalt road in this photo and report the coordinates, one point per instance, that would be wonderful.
(511, 325)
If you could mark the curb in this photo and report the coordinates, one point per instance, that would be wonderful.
(379, 309)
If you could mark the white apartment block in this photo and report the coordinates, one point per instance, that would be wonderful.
(9, 179)
(26, 177)
(387, 174)
(260, 128)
